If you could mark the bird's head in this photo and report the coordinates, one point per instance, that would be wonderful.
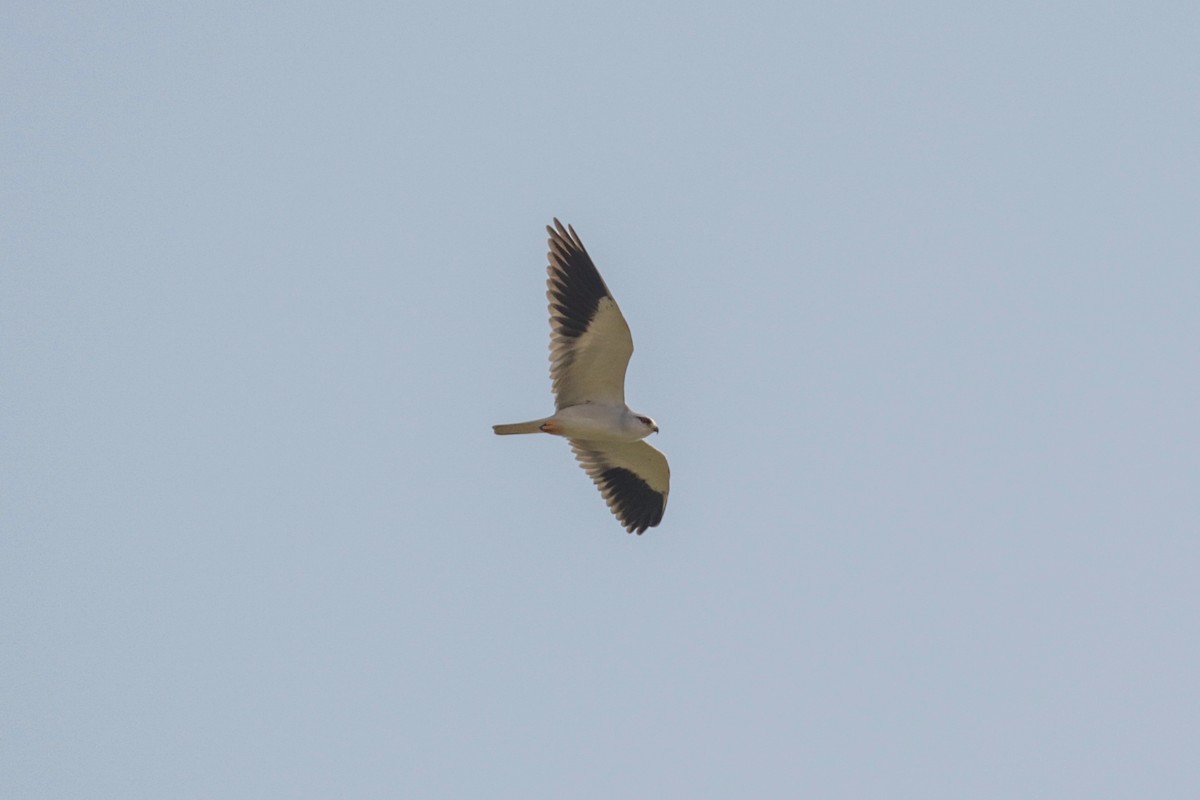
(650, 425)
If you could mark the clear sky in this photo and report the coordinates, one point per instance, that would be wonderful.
(915, 294)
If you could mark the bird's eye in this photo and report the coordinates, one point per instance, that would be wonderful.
(644, 420)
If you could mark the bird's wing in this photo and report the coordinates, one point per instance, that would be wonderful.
(590, 344)
(633, 477)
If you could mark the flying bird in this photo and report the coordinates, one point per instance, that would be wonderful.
(590, 346)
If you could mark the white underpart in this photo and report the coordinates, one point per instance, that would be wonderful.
(600, 423)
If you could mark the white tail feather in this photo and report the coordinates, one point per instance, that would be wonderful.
(533, 426)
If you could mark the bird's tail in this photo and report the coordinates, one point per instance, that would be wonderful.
(533, 426)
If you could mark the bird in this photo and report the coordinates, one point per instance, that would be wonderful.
(590, 347)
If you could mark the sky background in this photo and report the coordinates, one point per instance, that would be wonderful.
(914, 291)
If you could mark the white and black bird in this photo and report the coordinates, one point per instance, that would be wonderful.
(590, 346)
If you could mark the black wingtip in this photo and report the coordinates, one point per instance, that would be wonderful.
(638, 506)
(575, 285)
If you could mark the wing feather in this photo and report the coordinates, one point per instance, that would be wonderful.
(633, 477)
(590, 342)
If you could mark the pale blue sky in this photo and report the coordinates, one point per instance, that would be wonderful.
(914, 289)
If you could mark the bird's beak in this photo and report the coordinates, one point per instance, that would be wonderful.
(656, 429)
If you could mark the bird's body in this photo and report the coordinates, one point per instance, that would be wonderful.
(590, 347)
(590, 421)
